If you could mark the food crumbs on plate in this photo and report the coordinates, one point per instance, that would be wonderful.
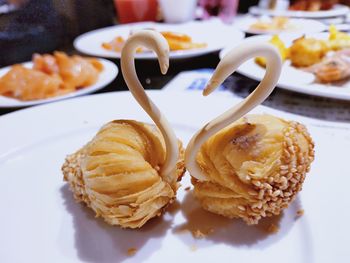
(199, 234)
(188, 188)
(273, 229)
(132, 251)
(300, 212)
(193, 248)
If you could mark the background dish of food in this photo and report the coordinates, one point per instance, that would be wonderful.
(106, 76)
(291, 25)
(57, 229)
(292, 78)
(220, 35)
(337, 10)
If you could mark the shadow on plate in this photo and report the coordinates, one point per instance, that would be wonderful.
(96, 241)
(210, 228)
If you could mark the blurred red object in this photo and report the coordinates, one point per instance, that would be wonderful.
(312, 5)
(345, 2)
(136, 10)
(225, 9)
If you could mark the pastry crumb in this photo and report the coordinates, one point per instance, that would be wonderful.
(188, 188)
(199, 234)
(300, 212)
(132, 251)
(193, 248)
(273, 229)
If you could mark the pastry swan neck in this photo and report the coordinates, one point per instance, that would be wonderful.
(156, 42)
(225, 68)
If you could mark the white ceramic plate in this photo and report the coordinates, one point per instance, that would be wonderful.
(41, 222)
(292, 78)
(214, 33)
(109, 73)
(337, 10)
(296, 26)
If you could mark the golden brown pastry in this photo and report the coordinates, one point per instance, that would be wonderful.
(117, 173)
(307, 51)
(128, 172)
(256, 166)
(249, 167)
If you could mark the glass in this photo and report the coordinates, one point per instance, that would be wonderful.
(136, 10)
(178, 11)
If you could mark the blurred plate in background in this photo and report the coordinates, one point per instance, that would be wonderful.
(337, 10)
(294, 25)
(292, 78)
(213, 32)
(106, 76)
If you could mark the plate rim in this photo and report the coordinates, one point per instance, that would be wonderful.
(342, 10)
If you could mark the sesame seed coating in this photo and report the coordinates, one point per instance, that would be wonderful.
(255, 167)
(117, 173)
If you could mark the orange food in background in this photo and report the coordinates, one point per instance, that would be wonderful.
(29, 84)
(51, 75)
(176, 41)
(116, 44)
(76, 71)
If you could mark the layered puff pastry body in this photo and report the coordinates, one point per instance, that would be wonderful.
(254, 168)
(117, 174)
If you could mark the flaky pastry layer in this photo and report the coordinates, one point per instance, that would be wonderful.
(255, 167)
(117, 173)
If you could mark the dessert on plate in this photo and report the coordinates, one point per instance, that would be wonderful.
(252, 166)
(129, 172)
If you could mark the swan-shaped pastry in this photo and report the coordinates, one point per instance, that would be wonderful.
(128, 172)
(249, 167)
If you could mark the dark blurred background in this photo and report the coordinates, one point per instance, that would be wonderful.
(29, 26)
